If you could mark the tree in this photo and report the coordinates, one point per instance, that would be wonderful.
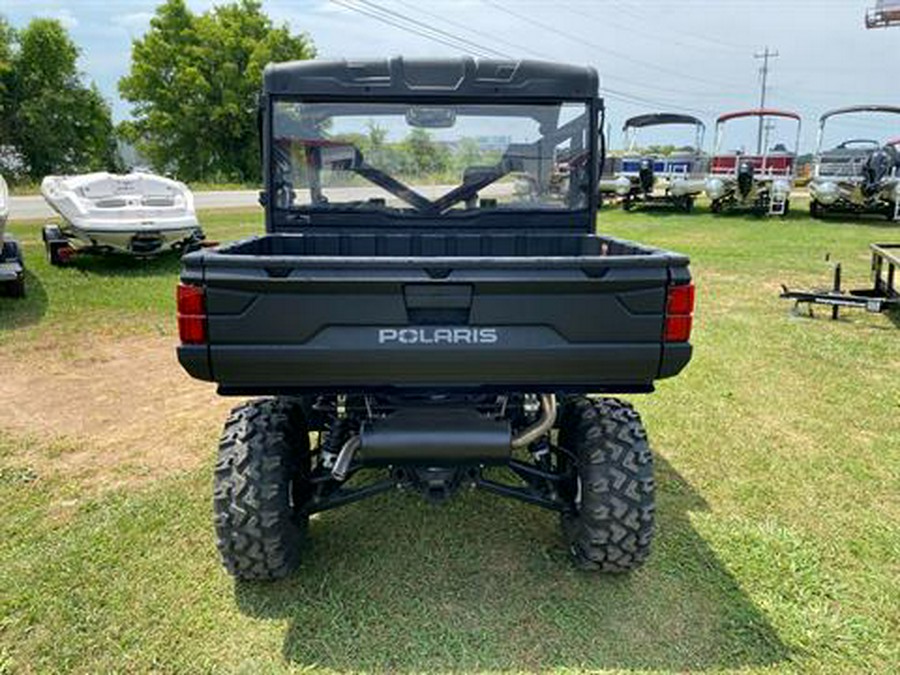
(194, 82)
(428, 157)
(7, 42)
(56, 122)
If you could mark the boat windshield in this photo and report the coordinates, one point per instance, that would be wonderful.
(433, 159)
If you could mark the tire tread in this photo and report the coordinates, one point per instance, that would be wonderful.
(264, 447)
(612, 529)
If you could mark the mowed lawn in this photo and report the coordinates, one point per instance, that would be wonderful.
(778, 543)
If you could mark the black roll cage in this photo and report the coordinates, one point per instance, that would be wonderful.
(430, 213)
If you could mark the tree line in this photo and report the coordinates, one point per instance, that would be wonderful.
(192, 85)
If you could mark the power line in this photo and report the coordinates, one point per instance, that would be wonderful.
(625, 9)
(404, 17)
(540, 55)
(421, 29)
(644, 32)
(387, 20)
(489, 36)
(600, 48)
(605, 21)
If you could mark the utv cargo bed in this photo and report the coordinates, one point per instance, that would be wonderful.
(367, 312)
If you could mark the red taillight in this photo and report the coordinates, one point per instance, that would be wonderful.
(191, 314)
(191, 300)
(192, 330)
(678, 328)
(681, 300)
(679, 311)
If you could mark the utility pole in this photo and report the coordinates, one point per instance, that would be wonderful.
(764, 71)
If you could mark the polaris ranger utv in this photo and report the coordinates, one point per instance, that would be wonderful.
(430, 311)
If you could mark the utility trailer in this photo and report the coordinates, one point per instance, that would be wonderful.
(881, 297)
(647, 178)
(761, 182)
(439, 336)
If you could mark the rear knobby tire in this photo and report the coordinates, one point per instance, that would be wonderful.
(610, 525)
(262, 471)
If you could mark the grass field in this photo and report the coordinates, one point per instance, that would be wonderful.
(778, 545)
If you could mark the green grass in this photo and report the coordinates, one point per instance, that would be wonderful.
(778, 456)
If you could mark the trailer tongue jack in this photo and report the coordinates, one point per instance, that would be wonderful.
(883, 296)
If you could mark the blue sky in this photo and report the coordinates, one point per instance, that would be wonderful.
(684, 55)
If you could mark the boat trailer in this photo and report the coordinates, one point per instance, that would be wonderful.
(883, 296)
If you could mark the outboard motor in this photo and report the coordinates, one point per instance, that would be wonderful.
(745, 178)
(645, 175)
(877, 167)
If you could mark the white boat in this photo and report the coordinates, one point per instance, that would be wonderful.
(4, 206)
(136, 213)
(12, 268)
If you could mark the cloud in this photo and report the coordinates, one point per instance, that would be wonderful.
(65, 17)
(133, 21)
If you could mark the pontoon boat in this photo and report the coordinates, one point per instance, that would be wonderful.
(858, 175)
(762, 181)
(655, 178)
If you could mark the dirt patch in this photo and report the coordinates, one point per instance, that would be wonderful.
(111, 412)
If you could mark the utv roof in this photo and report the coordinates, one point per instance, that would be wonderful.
(448, 77)
(655, 119)
(860, 108)
(758, 112)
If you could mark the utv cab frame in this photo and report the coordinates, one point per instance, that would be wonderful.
(761, 182)
(859, 175)
(653, 178)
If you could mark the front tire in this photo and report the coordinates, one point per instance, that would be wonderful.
(261, 474)
(611, 523)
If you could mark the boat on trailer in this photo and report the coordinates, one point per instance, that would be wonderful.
(12, 267)
(859, 175)
(138, 214)
(654, 178)
(761, 182)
